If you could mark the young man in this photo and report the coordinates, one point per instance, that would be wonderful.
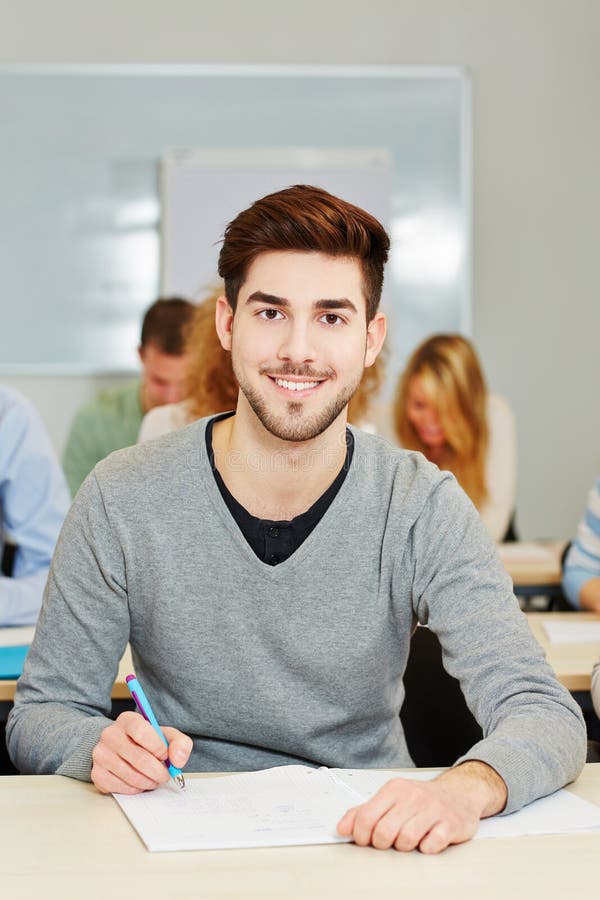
(112, 419)
(268, 568)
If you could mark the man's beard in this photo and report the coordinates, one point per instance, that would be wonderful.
(297, 426)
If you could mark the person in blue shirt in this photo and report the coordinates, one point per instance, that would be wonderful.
(581, 575)
(34, 499)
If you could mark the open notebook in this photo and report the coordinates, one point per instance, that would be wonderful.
(299, 805)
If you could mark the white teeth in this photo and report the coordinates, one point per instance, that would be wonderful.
(296, 385)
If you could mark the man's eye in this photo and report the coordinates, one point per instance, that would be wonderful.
(331, 319)
(269, 314)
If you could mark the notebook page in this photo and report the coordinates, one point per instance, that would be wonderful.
(298, 805)
(16, 635)
(573, 632)
(275, 807)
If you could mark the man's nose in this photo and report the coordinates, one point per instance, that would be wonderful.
(297, 344)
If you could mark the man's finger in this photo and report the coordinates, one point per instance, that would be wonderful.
(368, 815)
(136, 766)
(346, 824)
(108, 783)
(120, 745)
(437, 839)
(141, 732)
(400, 829)
(180, 746)
(445, 833)
(413, 829)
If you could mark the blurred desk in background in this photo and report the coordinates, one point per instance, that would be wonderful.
(535, 569)
(573, 655)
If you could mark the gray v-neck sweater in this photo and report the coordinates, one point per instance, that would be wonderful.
(266, 665)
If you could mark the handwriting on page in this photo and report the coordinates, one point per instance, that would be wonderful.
(282, 806)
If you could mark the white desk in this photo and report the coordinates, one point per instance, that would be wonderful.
(533, 565)
(60, 839)
(572, 662)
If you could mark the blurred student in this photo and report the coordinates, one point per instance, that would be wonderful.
(581, 575)
(112, 419)
(34, 500)
(211, 386)
(443, 409)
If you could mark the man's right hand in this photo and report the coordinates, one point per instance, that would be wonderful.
(130, 756)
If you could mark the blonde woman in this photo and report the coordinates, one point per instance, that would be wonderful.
(211, 387)
(443, 409)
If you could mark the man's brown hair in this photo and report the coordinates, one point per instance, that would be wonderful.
(305, 218)
(164, 324)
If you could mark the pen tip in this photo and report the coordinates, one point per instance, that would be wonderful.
(181, 782)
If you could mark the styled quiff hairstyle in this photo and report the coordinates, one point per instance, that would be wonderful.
(305, 218)
(211, 386)
(452, 378)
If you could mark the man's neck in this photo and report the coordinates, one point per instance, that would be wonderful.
(272, 478)
(144, 401)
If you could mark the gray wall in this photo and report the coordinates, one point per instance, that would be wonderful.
(536, 91)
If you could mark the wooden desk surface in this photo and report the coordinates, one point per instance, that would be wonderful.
(61, 839)
(530, 564)
(572, 662)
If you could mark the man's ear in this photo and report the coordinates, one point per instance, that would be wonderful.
(376, 331)
(224, 322)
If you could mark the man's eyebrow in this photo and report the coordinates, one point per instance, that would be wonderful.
(336, 303)
(324, 303)
(271, 299)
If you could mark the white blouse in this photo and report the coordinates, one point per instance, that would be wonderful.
(500, 467)
(163, 419)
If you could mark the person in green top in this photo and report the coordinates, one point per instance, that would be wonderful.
(111, 420)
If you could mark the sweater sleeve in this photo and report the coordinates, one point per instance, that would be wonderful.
(63, 698)
(534, 735)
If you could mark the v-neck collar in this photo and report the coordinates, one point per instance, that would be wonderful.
(238, 520)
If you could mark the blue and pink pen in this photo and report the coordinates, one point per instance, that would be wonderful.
(143, 707)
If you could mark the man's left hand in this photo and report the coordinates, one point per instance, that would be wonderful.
(428, 815)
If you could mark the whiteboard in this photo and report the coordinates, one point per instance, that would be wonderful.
(203, 190)
(80, 171)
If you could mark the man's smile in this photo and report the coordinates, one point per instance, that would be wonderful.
(300, 386)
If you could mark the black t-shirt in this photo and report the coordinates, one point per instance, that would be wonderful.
(272, 541)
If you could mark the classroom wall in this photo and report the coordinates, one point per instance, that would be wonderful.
(536, 94)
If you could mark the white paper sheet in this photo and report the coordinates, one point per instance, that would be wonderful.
(526, 551)
(17, 636)
(298, 805)
(275, 807)
(573, 632)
